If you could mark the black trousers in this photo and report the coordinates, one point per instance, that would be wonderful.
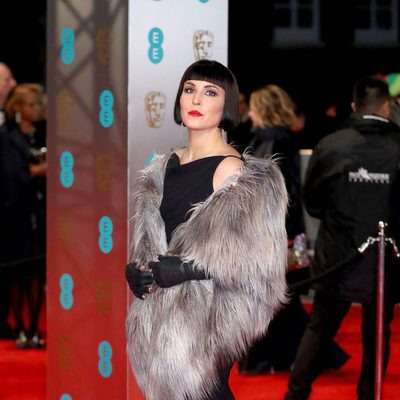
(5, 302)
(325, 319)
(223, 391)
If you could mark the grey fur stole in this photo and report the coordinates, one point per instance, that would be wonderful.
(179, 337)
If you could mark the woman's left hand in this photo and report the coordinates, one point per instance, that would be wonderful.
(170, 271)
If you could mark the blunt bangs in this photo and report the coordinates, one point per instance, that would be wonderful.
(217, 74)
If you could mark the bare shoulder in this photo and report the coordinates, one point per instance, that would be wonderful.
(227, 167)
(179, 151)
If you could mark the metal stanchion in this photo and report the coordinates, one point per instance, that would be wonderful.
(380, 312)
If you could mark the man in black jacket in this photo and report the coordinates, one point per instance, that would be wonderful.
(352, 183)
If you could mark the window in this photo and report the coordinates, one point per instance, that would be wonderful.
(296, 22)
(376, 22)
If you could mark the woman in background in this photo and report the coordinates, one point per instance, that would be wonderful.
(22, 194)
(277, 131)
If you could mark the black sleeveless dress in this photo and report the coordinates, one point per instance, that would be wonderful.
(184, 186)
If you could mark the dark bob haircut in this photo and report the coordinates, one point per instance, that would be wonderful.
(217, 74)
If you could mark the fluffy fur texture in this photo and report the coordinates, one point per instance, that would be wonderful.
(179, 337)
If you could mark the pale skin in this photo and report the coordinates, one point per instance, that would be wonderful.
(7, 82)
(202, 105)
(255, 117)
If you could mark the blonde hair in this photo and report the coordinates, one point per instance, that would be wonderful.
(18, 95)
(274, 106)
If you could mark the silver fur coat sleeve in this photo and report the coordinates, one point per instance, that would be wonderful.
(179, 337)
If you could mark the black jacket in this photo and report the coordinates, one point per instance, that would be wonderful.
(352, 183)
(18, 193)
(284, 144)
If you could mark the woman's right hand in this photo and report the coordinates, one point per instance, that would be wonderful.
(38, 169)
(139, 279)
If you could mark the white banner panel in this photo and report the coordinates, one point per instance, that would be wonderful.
(165, 37)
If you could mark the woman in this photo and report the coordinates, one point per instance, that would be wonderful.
(208, 250)
(273, 114)
(22, 189)
(277, 130)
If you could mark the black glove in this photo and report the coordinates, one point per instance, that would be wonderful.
(138, 281)
(170, 271)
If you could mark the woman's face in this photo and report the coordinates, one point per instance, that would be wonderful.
(31, 108)
(202, 105)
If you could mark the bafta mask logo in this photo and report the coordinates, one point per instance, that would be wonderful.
(155, 103)
(104, 296)
(103, 44)
(64, 352)
(65, 105)
(203, 42)
(104, 171)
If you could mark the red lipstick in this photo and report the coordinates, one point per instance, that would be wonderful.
(195, 113)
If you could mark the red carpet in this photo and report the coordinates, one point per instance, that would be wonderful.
(23, 372)
(331, 385)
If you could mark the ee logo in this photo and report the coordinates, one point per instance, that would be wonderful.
(156, 52)
(106, 115)
(67, 165)
(105, 239)
(105, 354)
(67, 46)
(66, 296)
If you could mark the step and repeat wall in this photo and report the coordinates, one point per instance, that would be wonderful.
(113, 71)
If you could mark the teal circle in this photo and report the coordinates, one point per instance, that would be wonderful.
(67, 160)
(66, 300)
(106, 226)
(66, 282)
(155, 54)
(106, 243)
(106, 117)
(156, 37)
(106, 99)
(105, 368)
(66, 178)
(65, 397)
(105, 350)
(67, 55)
(67, 37)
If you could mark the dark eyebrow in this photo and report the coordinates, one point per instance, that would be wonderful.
(210, 86)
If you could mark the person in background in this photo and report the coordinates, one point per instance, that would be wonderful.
(7, 83)
(208, 249)
(278, 126)
(23, 191)
(352, 183)
(273, 114)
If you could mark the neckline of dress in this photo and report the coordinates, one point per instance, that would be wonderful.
(199, 159)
